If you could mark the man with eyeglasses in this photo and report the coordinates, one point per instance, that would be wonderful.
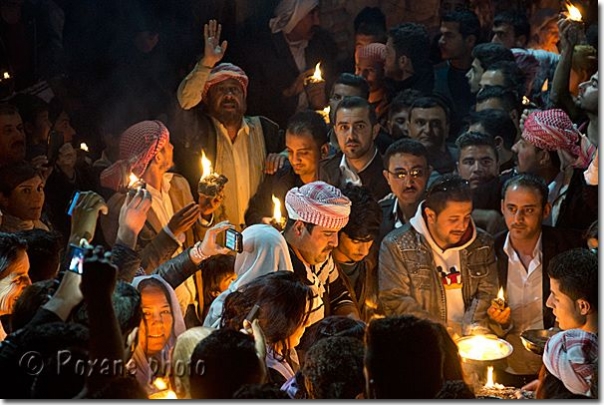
(408, 173)
(441, 267)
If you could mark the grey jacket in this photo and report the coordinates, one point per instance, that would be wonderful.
(409, 283)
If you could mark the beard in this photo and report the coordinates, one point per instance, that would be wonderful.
(229, 118)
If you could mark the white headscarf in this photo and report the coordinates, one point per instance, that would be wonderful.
(289, 13)
(264, 250)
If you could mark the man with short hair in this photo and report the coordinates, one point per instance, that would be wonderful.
(524, 252)
(484, 56)
(408, 173)
(359, 161)
(429, 124)
(407, 62)
(398, 113)
(499, 125)
(356, 254)
(573, 295)
(500, 99)
(505, 74)
(12, 135)
(369, 63)
(512, 29)
(306, 144)
(460, 32)
(441, 267)
(316, 212)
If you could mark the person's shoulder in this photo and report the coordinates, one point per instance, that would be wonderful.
(404, 234)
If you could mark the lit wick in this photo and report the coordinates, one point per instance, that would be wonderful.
(210, 183)
(316, 77)
(6, 75)
(573, 12)
(164, 392)
(84, 147)
(525, 100)
(499, 302)
(278, 220)
(490, 381)
(325, 114)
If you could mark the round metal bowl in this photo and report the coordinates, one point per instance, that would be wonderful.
(534, 340)
(494, 348)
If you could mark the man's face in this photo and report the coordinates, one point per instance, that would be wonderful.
(167, 157)
(410, 189)
(63, 126)
(26, 200)
(338, 92)
(447, 6)
(527, 156)
(41, 126)
(315, 247)
(398, 124)
(372, 71)
(474, 75)
(587, 99)
(477, 164)
(303, 153)
(306, 27)
(448, 227)
(566, 310)
(354, 132)
(364, 39)
(492, 78)
(351, 249)
(504, 34)
(12, 139)
(226, 102)
(523, 213)
(12, 286)
(429, 126)
(451, 43)
(391, 66)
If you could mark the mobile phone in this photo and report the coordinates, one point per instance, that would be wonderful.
(73, 202)
(233, 240)
(253, 314)
(76, 259)
(55, 141)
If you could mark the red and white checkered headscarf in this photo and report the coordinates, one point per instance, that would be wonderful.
(572, 357)
(552, 130)
(138, 146)
(318, 203)
(375, 52)
(225, 71)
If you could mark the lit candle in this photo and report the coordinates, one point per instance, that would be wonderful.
(164, 392)
(278, 220)
(325, 113)
(210, 183)
(316, 76)
(206, 166)
(499, 302)
(6, 75)
(84, 147)
(132, 180)
(525, 100)
(573, 12)
(491, 381)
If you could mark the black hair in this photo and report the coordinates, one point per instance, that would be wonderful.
(455, 389)
(309, 121)
(356, 81)
(473, 138)
(577, 272)
(44, 250)
(10, 246)
(213, 270)
(517, 19)
(412, 40)
(496, 123)
(260, 391)
(357, 102)
(222, 362)
(333, 368)
(29, 106)
(489, 53)
(430, 102)
(365, 214)
(530, 181)
(8, 109)
(371, 21)
(406, 146)
(513, 77)
(467, 20)
(30, 300)
(448, 187)
(403, 100)
(508, 98)
(11, 175)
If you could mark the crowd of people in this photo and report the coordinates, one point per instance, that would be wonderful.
(377, 206)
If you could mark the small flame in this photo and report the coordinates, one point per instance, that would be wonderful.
(84, 147)
(206, 166)
(164, 393)
(160, 384)
(490, 381)
(525, 100)
(500, 294)
(132, 180)
(317, 75)
(325, 114)
(573, 12)
(6, 75)
(277, 209)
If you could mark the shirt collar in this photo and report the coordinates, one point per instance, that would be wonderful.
(511, 252)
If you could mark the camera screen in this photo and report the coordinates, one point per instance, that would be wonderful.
(76, 263)
(231, 239)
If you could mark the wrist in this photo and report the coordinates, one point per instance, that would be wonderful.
(197, 255)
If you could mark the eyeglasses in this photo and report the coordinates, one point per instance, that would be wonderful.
(402, 174)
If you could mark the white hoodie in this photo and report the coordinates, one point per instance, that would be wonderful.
(447, 265)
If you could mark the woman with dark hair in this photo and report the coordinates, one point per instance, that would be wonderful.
(284, 302)
(161, 324)
(14, 265)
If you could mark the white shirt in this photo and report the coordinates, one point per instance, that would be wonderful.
(349, 174)
(556, 195)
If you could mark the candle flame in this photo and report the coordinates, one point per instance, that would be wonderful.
(164, 393)
(84, 147)
(490, 381)
(317, 75)
(573, 12)
(160, 384)
(132, 180)
(277, 209)
(500, 294)
(325, 114)
(206, 166)
(525, 100)
(6, 75)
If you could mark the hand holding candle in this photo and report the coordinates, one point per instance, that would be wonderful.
(278, 220)
(499, 311)
(314, 86)
(499, 301)
(210, 184)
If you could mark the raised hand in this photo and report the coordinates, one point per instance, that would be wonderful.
(213, 49)
(184, 219)
(133, 216)
(85, 216)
